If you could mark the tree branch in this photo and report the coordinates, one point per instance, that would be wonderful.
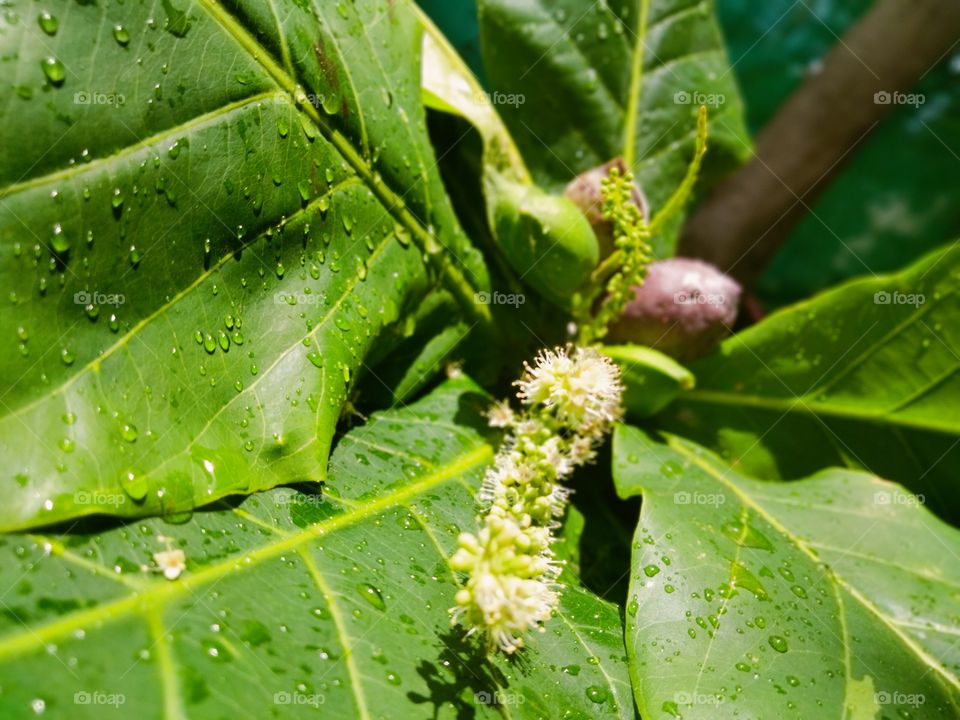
(748, 216)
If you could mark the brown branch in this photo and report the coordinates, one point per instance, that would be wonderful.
(744, 221)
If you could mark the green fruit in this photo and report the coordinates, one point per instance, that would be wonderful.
(545, 238)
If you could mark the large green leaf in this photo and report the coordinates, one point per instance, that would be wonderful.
(203, 165)
(291, 601)
(831, 597)
(843, 379)
(599, 80)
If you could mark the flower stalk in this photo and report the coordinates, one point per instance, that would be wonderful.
(570, 397)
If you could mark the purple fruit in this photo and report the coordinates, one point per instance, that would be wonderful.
(683, 309)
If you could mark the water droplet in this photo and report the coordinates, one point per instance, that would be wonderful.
(67, 357)
(746, 536)
(59, 242)
(48, 23)
(372, 595)
(121, 35)
(741, 577)
(596, 694)
(304, 187)
(778, 643)
(136, 486)
(128, 432)
(54, 70)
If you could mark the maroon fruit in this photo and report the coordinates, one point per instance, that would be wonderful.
(683, 309)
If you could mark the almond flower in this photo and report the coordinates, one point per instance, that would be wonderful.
(571, 398)
(171, 563)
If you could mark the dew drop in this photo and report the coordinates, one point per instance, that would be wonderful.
(372, 595)
(596, 694)
(778, 643)
(48, 23)
(121, 35)
(134, 485)
(54, 70)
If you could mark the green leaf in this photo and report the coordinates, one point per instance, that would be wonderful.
(651, 380)
(210, 220)
(843, 379)
(291, 601)
(831, 597)
(608, 80)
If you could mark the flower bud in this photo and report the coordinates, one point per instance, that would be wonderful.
(584, 191)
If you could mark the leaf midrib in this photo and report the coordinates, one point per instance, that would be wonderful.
(636, 85)
(162, 592)
(455, 281)
(812, 407)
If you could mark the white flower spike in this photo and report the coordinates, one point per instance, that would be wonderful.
(571, 397)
